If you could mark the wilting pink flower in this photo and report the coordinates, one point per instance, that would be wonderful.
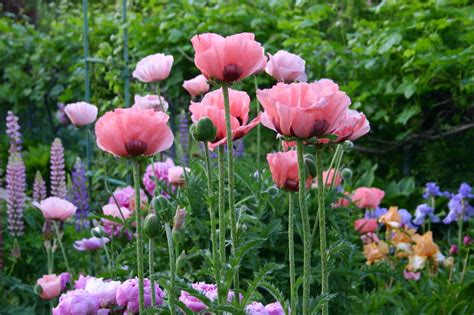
(212, 106)
(155, 102)
(176, 175)
(342, 202)
(92, 243)
(228, 59)
(50, 286)
(255, 308)
(127, 295)
(352, 126)
(303, 110)
(409, 275)
(369, 238)
(77, 302)
(364, 226)
(123, 196)
(365, 197)
(153, 68)
(275, 309)
(54, 208)
(284, 169)
(158, 170)
(196, 86)
(81, 113)
(286, 67)
(128, 132)
(328, 178)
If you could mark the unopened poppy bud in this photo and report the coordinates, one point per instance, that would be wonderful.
(179, 219)
(310, 165)
(163, 208)
(178, 236)
(453, 250)
(346, 173)
(152, 226)
(347, 145)
(98, 232)
(47, 230)
(467, 240)
(204, 130)
(272, 191)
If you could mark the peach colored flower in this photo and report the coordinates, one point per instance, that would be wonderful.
(303, 110)
(352, 126)
(286, 67)
(81, 114)
(176, 175)
(364, 226)
(54, 208)
(196, 86)
(155, 102)
(284, 169)
(375, 252)
(212, 106)
(228, 59)
(392, 219)
(365, 197)
(50, 286)
(424, 249)
(153, 68)
(128, 132)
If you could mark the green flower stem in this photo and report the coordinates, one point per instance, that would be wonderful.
(215, 255)
(109, 261)
(306, 228)
(464, 266)
(158, 92)
(230, 173)
(151, 269)
(333, 160)
(322, 231)
(338, 166)
(222, 226)
(259, 148)
(291, 249)
(56, 228)
(460, 224)
(169, 236)
(125, 54)
(138, 219)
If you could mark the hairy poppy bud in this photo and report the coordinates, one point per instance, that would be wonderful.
(347, 145)
(152, 226)
(346, 174)
(204, 130)
(310, 165)
(163, 208)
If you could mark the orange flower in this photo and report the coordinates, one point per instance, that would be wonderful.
(375, 252)
(424, 249)
(392, 219)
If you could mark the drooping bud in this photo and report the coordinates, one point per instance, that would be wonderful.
(346, 174)
(310, 165)
(48, 232)
(347, 145)
(453, 251)
(204, 130)
(152, 226)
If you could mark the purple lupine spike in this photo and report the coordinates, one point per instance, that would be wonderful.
(39, 188)
(239, 148)
(58, 174)
(183, 127)
(16, 187)
(80, 195)
(13, 132)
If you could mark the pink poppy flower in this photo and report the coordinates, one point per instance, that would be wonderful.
(128, 132)
(196, 86)
(127, 295)
(125, 195)
(284, 169)
(77, 302)
(50, 286)
(54, 208)
(113, 210)
(303, 110)
(329, 177)
(212, 106)
(365, 197)
(155, 102)
(176, 175)
(364, 226)
(286, 67)
(228, 59)
(81, 114)
(341, 202)
(153, 68)
(158, 170)
(352, 126)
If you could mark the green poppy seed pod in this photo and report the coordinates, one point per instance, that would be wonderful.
(98, 232)
(346, 173)
(152, 226)
(347, 145)
(163, 208)
(310, 165)
(204, 130)
(38, 289)
(272, 191)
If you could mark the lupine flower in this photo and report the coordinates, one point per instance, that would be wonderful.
(183, 128)
(50, 286)
(375, 252)
(39, 188)
(239, 148)
(128, 132)
(92, 243)
(61, 115)
(196, 86)
(16, 187)
(158, 170)
(77, 302)
(364, 226)
(423, 211)
(415, 276)
(228, 59)
(212, 107)
(80, 195)
(375, 213)
(123, 196)
(54, 208)
(365, 197)
(58, 174)
(155, 102)
(81, 113)
(13, 132)
(284, 169)
(424, 249)
(153, 68)
(127, 295)
(286, 67)
(255, 308)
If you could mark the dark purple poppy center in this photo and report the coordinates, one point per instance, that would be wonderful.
(232, 72)
(136, 147)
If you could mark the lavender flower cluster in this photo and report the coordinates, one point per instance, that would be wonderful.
(58, 173)
(13, 132)
(79, 195)
(16, 194)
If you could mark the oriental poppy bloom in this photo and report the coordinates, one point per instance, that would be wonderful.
(284, 169)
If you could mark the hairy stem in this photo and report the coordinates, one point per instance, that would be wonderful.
(222, 226)
(169, 236)
(56, 228)
(291, 249)
(139, 241)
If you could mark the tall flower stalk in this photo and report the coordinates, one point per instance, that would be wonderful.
(39, 188)
(172, 263)
(13, 133)
(80, 195)
(291, 252)
(58, 174)
(16, 187)
(259, 148)
(306, 228)
(183, 128)
(222, 223)
(139, 241)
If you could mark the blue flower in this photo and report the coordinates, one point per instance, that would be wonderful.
(406, 218)
(422, 211)
(458, 206)
(375, 214)
(465, 191)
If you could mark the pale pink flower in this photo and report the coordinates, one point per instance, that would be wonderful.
(153, 68)
(286, 67)
(81, 113)
(196, 86)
